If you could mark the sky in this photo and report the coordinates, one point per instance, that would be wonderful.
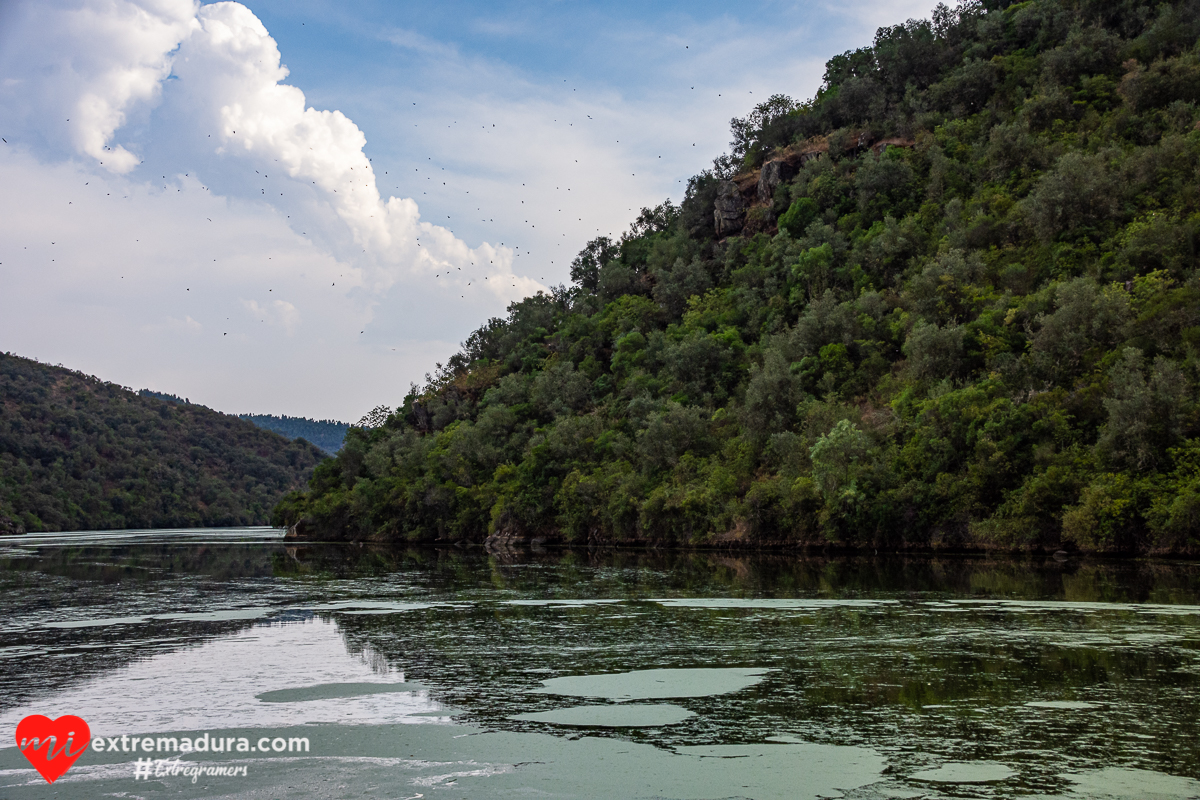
(300, 207)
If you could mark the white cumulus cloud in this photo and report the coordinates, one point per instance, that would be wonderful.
(88, 66)
(218, 76)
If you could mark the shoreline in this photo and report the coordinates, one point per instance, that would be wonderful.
(504, 545)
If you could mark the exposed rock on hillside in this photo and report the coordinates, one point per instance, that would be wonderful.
(729, 212)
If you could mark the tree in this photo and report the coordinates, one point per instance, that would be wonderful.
(746, 129)
(1144, 416)
(585, 269)
(375, 418)
(838, 459)
(799, 216)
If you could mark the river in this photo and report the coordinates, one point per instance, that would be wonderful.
(330, 671)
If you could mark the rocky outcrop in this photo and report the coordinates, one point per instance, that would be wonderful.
(506, 548)
(421, 419)
(729, 212)
(883, 144)
(504, 541)
(773, 173)
(801, 153)
(10, 527)
(768, 179)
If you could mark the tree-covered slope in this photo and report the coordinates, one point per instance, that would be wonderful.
(950, 301)
(80, 454)
(326, 434)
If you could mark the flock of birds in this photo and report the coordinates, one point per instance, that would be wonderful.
(473, 279)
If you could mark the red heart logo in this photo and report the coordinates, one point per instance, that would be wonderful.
(49, 743)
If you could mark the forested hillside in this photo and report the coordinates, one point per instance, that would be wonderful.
(77, 453)
(951, 301)
(326, 434)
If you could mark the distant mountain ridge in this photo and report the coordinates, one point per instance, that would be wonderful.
(326, 434)
(78, 453)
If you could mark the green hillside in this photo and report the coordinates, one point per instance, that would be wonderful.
(80, 454)
(326, 434)
(952, 301)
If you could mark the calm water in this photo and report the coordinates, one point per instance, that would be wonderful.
(458, 674)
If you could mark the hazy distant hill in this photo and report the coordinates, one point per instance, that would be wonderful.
(326, 434)
(79, 453)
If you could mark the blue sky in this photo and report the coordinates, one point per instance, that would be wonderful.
(416, 168)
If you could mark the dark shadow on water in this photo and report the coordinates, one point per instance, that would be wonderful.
(598, 572)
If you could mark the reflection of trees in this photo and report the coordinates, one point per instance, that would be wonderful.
(629, 573)
(843, 674)
(105, 582)
(107, 564)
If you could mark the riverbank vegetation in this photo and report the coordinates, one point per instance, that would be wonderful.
(951, 301)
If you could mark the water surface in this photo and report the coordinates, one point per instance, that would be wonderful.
(458, 674)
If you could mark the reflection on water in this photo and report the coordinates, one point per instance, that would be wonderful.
(213, 684)
(786, 677)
